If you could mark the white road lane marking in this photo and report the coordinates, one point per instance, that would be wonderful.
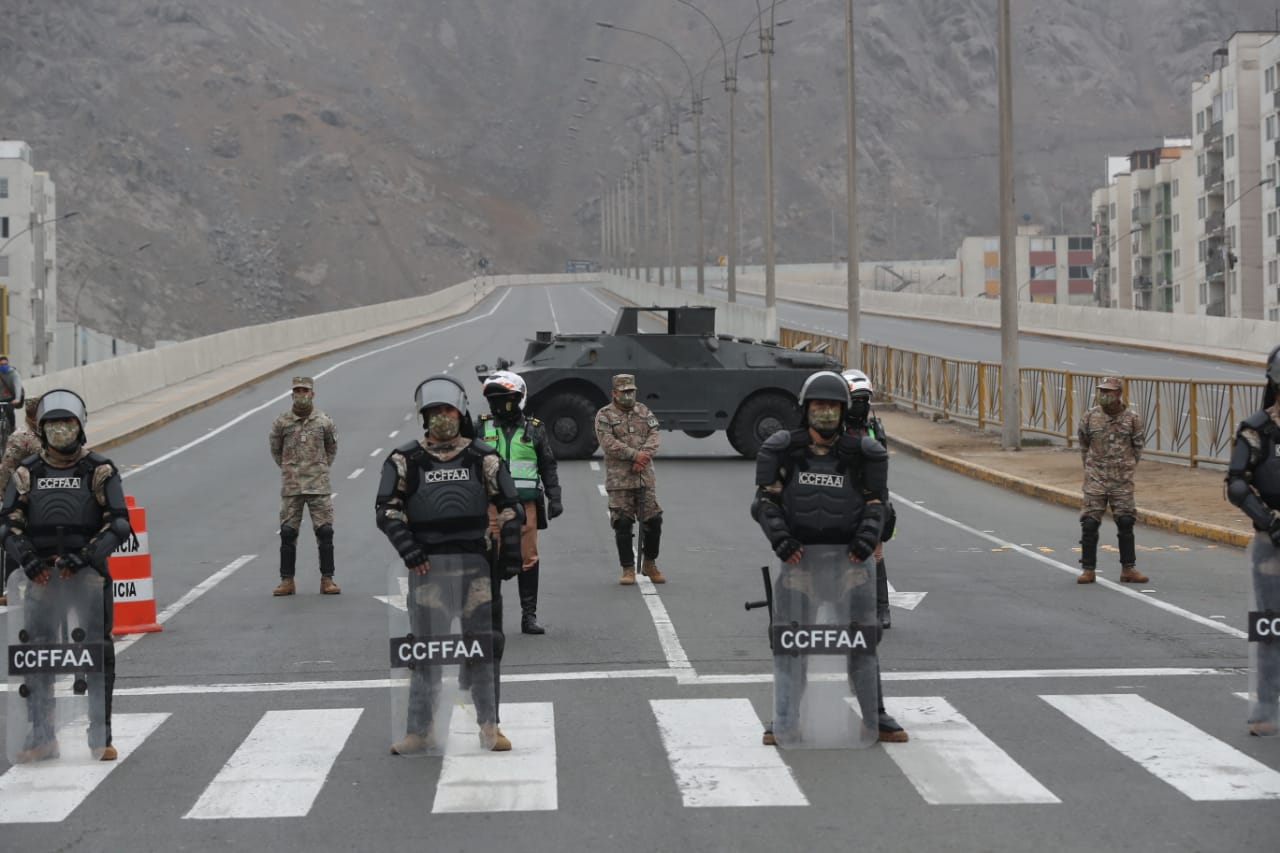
(280, 767)
(951, 762)
(355, 473)
(603, 493)
(375, 453)
(595, 466)
(672, 649)
(905, 600)
(50, 791)
(1073, 570)
(279, 397)
(1171, 749)
(554, 322)
(714, 749)
(612, 309)
(195, 592)
(473, 779)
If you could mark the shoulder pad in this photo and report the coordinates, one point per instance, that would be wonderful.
(1256, 421)
(480, 447)
(873, 450)
(408, 448)
(97, 459)
(779, 442)
(30, 460)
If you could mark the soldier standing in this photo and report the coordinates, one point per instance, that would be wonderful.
(628, 436)
(522, 443)
(22, 444)
(1253, 484)
(304, 442)
(11, 395)
(1111, 439)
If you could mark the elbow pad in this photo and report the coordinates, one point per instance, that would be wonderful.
(875, 467)
(768, 514)
(106, 542)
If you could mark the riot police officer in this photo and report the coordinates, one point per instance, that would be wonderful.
(1253, 484)
(433, 501)
(816, 486)
(862, 422)
(64, 512)
(522, 443)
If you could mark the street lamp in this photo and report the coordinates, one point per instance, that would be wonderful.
(766, 49)
(75, 322)
(67, 215)
(696, 104)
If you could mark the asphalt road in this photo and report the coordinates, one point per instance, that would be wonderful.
(966, 342)
(1043, 715)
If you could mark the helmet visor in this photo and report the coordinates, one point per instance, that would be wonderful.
(441, 391)
(61, 403)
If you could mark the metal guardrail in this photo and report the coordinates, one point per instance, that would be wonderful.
(1187, 420)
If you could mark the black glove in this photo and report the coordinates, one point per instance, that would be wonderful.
(414, 557)
(867, 534)
(554, 508)
(74, 562)
(32, 566)
(786, 547)
(1273, 531)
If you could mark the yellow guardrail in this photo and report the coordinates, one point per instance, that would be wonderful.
(1189, 420)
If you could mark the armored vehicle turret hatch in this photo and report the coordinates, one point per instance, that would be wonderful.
(693, 379)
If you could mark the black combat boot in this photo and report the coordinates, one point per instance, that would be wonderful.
(528, 582)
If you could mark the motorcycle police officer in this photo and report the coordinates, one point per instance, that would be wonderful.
(64, 511)
(522, 443)
(433, 505)
(1253, 484)
(819, 486)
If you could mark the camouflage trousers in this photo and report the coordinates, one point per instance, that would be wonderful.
(321, 507)
(623, 503)
(1121, 503)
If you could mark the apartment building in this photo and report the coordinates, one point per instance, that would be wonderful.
(1269, 191)
(1226, 106)
(28, 259)
(1051, 268)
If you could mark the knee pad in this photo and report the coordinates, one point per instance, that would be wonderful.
(288, 535)
(324, 534)
(623, 525)
(1124, 523)
(1091, 526)
(654, 524)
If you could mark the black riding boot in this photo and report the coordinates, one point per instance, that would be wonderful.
(528, 582)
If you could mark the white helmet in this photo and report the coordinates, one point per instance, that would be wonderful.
(858, 381)
(505, 382)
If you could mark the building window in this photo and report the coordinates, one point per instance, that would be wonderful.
(4, 266)
(1200, 208)
(1231, 236)
(1203, 292)
(1176, 220)
(1229, 147)
(1269, 79)
(1113, 210)
(1200, 122)
(1075, 244)
(1272, 313)
(1271, 171)
(1174, 192)
(1273, 272)
(1231, 191)
(1080, 272)
(1177, 293)
(1271, 127)
(991, 244)
(992, 273)
(1199, 165)
(4, 187)
(1271, 224)
(4, 226)
(1177, 257)
(1041, 244)
(1200, 251)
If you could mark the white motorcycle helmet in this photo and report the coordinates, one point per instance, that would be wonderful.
(503, 382)
(858, 382)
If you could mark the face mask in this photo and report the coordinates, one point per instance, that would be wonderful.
(442, 427)
(505, 407)
(4, 368)
(626, 399)
(301, 403)
(824, 421)
(1107, 399)
(62, 437)
(858, 410)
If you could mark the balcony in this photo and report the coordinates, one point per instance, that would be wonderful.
(1141, 215)
(1213, 181)
(1160, 243)
(1213, 266)
(1278, 143)
(1142, 282)
(1214, 222)
(1216, 309)
(1159, 208)
(1213, 137)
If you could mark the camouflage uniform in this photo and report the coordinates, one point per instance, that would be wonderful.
(622, 433)
(1111, 446)
(303, 446)
(21, 444)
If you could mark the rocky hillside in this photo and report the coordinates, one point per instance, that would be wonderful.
(290, 156)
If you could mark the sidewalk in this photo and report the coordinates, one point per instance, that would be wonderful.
(1190, 501)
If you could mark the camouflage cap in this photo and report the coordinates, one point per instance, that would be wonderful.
(624, 382)
(1111, 383)
(304, 382)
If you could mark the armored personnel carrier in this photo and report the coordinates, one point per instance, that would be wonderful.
(691, 378)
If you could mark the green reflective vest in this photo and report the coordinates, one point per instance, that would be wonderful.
(520, 455)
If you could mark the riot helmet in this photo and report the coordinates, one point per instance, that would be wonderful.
(60, 404)
(824, 385)
(860, 391)
(444, 391)
(506, 394)
(1273, 379)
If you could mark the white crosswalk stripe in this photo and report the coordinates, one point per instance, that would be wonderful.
(50, 791)
(1193, 761)
(951, 762)
(280, 767)
(473, 779)
(713, 746)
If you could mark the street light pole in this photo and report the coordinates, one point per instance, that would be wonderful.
(853, 356)
(37, 224)
(766, 49)
(646, 241)
(1010, 381)
(75, 317)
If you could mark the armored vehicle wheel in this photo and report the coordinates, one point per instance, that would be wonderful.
(699, 433)
(759, 418)
(570, 420)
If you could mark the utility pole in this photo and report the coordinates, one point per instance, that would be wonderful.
(659, 179)
(697, 135)
(1010, 384)
(766, 47)
(674, 225)
(646, 233)
(853, 356)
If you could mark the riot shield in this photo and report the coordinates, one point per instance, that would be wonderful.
(57, 699)
(637, 496)
(1264, 637)
(824, 634)
(441, 650)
